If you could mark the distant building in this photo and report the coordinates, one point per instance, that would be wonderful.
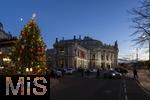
(49, 57)
(3, 34)
(7, 41)
(85, 53)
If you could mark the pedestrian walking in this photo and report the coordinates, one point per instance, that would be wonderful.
(135, 73)
(88, 72)
(82, 72)
(63, 72)
(98, 73)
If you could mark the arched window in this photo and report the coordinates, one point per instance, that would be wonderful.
(93, 57)
(107, 57)
(102, 57)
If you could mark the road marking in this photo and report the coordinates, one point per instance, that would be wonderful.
(125, 90)
(126, 98)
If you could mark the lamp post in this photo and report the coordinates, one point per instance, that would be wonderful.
(149, 48)
(147, 37)
(137, 54)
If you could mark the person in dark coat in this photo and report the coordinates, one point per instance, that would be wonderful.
(98, 73)
(88, 72)
(52, 74)
(135, 73)
(82, 72)
(63, 72)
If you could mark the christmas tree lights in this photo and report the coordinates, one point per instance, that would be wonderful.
(29, 53)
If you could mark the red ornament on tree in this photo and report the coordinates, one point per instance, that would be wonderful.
(24, 34)
(40, 49)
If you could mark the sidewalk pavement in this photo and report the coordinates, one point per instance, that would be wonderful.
(143, 79)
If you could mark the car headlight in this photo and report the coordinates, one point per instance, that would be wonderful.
(113, 74)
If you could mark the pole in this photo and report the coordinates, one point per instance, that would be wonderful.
(137, 54)
(149, 54)
(149, 50)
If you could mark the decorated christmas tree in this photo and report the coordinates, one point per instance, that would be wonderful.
(29, 53)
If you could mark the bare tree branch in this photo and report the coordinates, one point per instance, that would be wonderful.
(141, 22)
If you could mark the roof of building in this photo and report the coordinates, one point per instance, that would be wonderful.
(1, 25)
(4, 35)
(86, 42)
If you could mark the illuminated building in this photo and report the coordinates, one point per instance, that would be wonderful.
(7, 41)
(85, 53)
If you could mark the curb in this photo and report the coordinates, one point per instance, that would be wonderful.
(147, 91)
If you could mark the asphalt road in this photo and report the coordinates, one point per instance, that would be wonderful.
(74, 87)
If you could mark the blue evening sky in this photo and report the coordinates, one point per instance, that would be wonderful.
(105, 20)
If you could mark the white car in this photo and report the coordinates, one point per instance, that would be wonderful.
(69, 70)
(93, 70)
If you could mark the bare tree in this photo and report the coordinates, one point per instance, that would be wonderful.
(141, 22)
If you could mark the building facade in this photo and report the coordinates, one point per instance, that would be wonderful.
(7, 42)
(84, 53)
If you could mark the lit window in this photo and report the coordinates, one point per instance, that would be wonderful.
(7, 59)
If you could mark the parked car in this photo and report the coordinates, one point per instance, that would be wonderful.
(56, 73)
(80, 69)
(69, 70)
(112, 74)
(93, 70)
(121, 70)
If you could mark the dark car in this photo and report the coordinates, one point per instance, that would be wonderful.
(121, 70)
(112, 74)
(56, 73)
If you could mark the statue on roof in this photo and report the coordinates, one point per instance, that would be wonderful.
(116, 44)
(1, 26)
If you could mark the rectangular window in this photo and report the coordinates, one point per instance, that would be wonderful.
(107, 57)
(102, 57)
